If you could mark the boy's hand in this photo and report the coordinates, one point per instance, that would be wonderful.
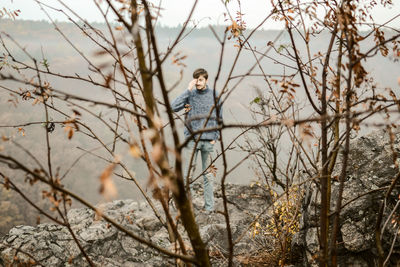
(213, 142)
(192, 84)
(187, 108)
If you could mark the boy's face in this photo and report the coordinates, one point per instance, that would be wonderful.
(201, 82)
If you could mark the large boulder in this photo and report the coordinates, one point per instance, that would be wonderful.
(370, 170)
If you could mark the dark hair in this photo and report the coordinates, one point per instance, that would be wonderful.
(200, 72)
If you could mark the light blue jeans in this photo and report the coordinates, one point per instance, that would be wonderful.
(206, 149)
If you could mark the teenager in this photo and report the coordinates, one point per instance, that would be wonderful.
(198, 101)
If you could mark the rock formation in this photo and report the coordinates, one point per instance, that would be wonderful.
(370, 171)
(52, 245)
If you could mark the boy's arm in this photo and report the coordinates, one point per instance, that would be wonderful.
(179, 103)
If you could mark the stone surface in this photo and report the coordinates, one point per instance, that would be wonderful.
(53, 245)
(354, 238)
(370, 167)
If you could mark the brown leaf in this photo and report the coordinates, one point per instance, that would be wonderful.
(6, 183)
(134, 150)
(77, 113)
(306, 132)
(101, 52)
(26, 95)
(107, 187)
(356, 126)
(22, 131)
(98, 214)
(288, 122)
(157, 152)
(70, 133)
(108, 80)
(213, 170)
(129, 219)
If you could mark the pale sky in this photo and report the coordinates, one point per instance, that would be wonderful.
(175, 12)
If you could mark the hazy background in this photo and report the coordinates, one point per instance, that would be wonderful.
(173, 13)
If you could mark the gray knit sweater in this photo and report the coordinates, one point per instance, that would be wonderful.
(201, 102)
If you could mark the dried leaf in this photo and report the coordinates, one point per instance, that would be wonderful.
(108, 80)
(26, 95)
(213, 170)
(22, 131)
(77, 113)
(6, 183)
(129, 219)
(101, 52)
(157, 152)
(356, 126)
(70, 133)
(107, 187)
(98, 214)
(134, 150)
(149, 133)
(288, 122)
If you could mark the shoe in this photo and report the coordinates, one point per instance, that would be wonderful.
(209, 212)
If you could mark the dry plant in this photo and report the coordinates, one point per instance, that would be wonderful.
(321, 98)
(330, 91)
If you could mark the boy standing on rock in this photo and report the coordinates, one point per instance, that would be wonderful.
(198, 101)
